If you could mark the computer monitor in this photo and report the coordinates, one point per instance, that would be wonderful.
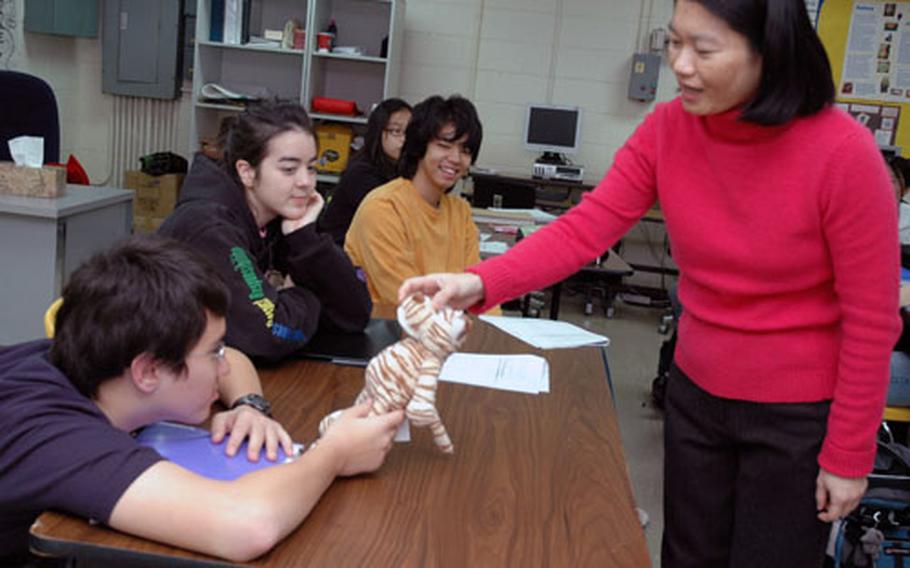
(553, 129)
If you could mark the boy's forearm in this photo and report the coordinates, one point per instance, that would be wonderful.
(238, 520)
(243, 378)
(287, 497)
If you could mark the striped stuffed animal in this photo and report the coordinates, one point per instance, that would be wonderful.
(404, 374)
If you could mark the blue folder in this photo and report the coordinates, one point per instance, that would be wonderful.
(193, 449)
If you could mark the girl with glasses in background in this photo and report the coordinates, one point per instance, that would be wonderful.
(375, 165)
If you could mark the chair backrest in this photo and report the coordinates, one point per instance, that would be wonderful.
(29, 109)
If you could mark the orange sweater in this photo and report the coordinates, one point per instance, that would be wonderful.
(395, 234)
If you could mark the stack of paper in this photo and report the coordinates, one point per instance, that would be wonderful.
(538, 215)
(501, 216)
(546, 334)
(519, 373)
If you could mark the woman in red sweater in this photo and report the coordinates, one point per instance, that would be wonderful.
(783, 225)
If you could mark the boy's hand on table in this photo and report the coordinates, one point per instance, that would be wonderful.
(245, 422)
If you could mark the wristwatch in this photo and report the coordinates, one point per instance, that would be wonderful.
(256, 401)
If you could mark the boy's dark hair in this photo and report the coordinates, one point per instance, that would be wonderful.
(247, 137)
(796, 75)
(429, 117)
(376, 125)
(147, 294)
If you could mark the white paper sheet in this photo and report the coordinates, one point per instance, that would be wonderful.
(493, 247)
(403, 434)
(519, 373)
(546, 334)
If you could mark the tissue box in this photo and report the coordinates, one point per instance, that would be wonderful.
(47, 181)
(155, 196)
(334, 142)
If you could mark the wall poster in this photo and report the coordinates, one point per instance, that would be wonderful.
(877, 58)
(881, 120)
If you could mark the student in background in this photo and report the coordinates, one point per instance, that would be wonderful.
(253, 214)
(412, 225)
(139, 339)
(375, 165)
(788, 274)
(899, 387)
(898, 168)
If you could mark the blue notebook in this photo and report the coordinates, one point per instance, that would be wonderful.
(192, 448)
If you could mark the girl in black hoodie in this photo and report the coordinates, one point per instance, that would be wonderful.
(253, 215)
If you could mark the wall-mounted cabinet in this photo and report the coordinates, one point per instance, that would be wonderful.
(62, 17)
(262, 69)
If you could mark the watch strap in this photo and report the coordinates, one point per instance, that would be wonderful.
(256, 401)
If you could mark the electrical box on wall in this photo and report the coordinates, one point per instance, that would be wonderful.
(645, 71)
(140, 48)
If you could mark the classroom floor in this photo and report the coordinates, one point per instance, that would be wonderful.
(633, 353)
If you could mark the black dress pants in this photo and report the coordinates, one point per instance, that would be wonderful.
(739, 480)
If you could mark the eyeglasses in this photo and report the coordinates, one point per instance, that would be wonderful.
(217, 354)
(396, 132)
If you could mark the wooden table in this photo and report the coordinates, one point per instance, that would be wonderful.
(535, 480)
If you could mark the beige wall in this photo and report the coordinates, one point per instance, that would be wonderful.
(502, 54)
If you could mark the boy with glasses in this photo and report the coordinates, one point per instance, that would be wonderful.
(139, 339)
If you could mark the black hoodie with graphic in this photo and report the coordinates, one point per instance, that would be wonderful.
(265, 322)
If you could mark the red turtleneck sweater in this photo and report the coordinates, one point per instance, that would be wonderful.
(786, 240)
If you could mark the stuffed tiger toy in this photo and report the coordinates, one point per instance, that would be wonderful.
(404, 374)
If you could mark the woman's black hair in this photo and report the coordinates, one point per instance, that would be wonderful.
(148, 294)
(429, 117)
(376, 125)
(796, 75)
(901, 168)
(247, 137)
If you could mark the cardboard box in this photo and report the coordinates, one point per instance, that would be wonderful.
(143, 225)
(334, 143)
(47, 181)
(156, 196)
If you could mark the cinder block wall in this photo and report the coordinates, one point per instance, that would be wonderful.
(504, 54)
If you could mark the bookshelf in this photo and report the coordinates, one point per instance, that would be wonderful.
(268, 70)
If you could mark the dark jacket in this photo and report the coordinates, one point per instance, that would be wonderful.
(360, 177)
(264, 322)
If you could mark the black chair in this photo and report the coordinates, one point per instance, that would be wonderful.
(29, 109)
